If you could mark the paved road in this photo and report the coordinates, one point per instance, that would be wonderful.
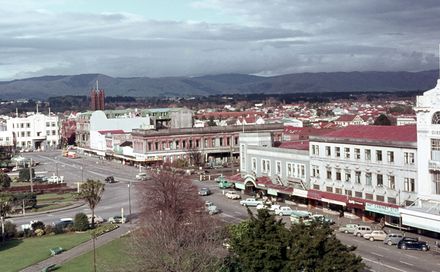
(377, 256)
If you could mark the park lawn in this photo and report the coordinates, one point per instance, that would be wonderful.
(113, 256)
(18, 254)
(46, 202)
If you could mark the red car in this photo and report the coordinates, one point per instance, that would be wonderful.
(4, 170)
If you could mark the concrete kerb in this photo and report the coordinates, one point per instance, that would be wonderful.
(71, 207)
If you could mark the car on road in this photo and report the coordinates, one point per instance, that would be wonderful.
(393, 239)
(298, 217)
(117, 219)
(110, 179)
(270, 208)
(211, 208)
(204, 191)
(5, 170)
(98, 219)
(285, 210)
(376, 235)
(412, 243)
(322, 219)
(250, 202)
(232, 195)
(64, 223)
(348, 228)
(55, 179)
(39, 179)
(142, 176)
(359, 231)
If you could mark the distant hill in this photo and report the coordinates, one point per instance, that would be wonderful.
(47, 86)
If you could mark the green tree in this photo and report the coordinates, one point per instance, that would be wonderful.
(81, 222)
(382, 120)
(5, 208)
(259, 244)
(5, 180)
(23, 175)
(316, 248)
(91, 192)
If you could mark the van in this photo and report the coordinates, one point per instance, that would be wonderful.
(361, 230)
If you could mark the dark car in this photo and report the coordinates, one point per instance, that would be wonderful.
(39, 179)
(412, 243)
(64, 223)
(110, 179)
(204, 191)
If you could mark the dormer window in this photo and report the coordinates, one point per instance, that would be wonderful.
(436, 118)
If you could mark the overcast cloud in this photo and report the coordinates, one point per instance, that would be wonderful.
(263, 37)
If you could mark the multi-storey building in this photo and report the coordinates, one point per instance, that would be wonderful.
(365, 168)
(35, 131)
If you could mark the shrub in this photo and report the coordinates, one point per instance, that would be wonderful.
(5, 180)
(58, 229)
(37, 225)
(39, 232)
(10, 230)
(81, 223)
(49, 229)
(103, 229)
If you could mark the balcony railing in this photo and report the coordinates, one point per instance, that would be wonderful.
(434, 165)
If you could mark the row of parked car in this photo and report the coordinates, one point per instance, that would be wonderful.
(398, 239)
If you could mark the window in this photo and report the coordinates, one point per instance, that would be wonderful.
(265, 166)
(328, 152)
(206, 143)
(329, 174)
(390, 156)
(289, 170)
(316, 186)
(348, 192)
(54, 132)
(221, 141)
(243, 157)
(28, 134)
(347, 152)
(368, 179)
(254, 164)
(22, 134)
(367, 154)
(236, 140)
(302, 171)
(329, 189)
(391, 200)
(338, 191)
(380, 198)
(315, 150)
(47, 124)
(357, 177)
(358, 194)
(347, 176)
(391, 182)
(338, 175)
(28, 125)
(315, 171)
(436, 118)
(53, 124)
(369, 196)
(409, 185)
(378, 155)
(278, 168)
(408, 157)
(213, 143)
(436, 180)
(338, 151)
(357, 153)
(379, 179)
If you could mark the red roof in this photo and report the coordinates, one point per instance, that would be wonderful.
(114, 131)
(384, 133)
(302, 145)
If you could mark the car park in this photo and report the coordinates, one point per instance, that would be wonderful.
(285, 210)
(376, 235)
(412, 243)
(232, 195)
(348, 228)
(361, 230)
(204, 191)
(117, 219)
(251, 202)
(393, 239)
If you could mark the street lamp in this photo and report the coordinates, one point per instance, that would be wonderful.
(129, 200)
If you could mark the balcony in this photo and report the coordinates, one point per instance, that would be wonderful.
(434, 165)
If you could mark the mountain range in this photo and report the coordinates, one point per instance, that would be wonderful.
(49, 86)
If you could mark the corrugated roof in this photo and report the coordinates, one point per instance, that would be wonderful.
(384, 133)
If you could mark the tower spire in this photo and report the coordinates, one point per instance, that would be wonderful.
(97, 86)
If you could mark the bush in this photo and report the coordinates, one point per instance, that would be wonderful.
(103, 229)
(39, 232)
(10, 230)
(58, 229)
(49, 229)
(5, 180)
(23, 175)
(38, 225)
(81, 223)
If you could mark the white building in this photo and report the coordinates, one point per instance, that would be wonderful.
(373, 167)
(36, 131)
(425, 213)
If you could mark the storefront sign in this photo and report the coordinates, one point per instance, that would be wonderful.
(382, 209)
(240, 186)
(272, 192)
(314, 195)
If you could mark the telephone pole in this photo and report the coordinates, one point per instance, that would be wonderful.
(30, 177)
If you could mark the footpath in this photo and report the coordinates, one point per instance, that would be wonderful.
(80, 249)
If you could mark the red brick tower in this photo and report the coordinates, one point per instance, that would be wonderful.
(97, 98)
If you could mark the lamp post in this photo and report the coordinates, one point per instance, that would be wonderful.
(129, 200)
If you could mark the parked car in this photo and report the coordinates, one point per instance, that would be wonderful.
(349, 228)
(204, 191)
(39, 178)
(55, 179)
(285, 210)
(322, 218)
(298, 217)
(359, 231)
(98, 219)
(376, 235)
(250, 202)
(392, 239)
(412, 243)
(223, 183)
(110, 179)
(271, 208)
(232, 195)
(142, 176)
(117, 219)
(64, 223)
(5, 170)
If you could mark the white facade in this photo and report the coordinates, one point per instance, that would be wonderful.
(364, 170)
(36, 131)
(263, 139)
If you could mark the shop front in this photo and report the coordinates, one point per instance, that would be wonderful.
(328, 200)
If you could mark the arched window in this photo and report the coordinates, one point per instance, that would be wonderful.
(436, 118)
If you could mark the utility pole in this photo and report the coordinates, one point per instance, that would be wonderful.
(30, 177)
(129, 200)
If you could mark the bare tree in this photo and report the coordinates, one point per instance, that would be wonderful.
(195, 156)
(176, 233)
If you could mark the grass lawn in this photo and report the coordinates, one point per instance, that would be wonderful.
(52, 201)
(18, 254)
(113, 256)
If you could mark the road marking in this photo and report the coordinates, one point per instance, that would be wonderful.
(410, 264)
(382, 264)
(410, 256)
(374, 253)
(237, 212)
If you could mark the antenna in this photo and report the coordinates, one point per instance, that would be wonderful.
(97, 86)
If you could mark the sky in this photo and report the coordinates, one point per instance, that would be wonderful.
(197, 37)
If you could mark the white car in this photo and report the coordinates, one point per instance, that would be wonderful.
(270, 208)
(55, 179)
(232, 195)
(142, 176)
(281, 211)
(98, 219)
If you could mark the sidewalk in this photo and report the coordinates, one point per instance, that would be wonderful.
(80, 249)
